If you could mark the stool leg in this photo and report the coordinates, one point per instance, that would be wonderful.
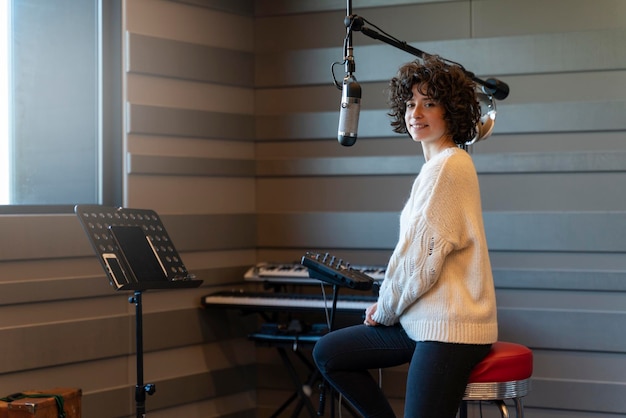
(504, 411)
(463, 410)
(519, 407)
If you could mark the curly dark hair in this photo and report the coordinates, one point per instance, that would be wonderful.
(446, 84)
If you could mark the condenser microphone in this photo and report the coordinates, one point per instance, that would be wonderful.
(496, 88)
(349, 112)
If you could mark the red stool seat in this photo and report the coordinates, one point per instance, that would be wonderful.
(503, 374)
(504, 363)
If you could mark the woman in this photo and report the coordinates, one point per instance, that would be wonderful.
(436, 307)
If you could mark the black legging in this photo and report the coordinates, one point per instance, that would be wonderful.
(437, 376)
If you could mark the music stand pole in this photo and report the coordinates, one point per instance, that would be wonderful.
(140, 388)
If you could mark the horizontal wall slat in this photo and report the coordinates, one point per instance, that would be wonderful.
(332, 194)
(207, 232)
(564, 329)
(154, 120)
(498, 18)
(176, 391)
(553, 192)
(189, 166)
(506, 231)
(215, 26)
(586, 280)
(514, 55)
(64, 342)
(56, 289)
(511, 119)
(107, 403)
(42, 236)
(214, 384)
(31, 291)
(544, 162)
(244, 7)
(185, 94)
(595, 397)
(561, 117)
(556, 231)
(238, 405)
(499, 192)
(180, 194)
(58, 236)
(415, 20)
(170, 58)
(187, 327)
(336, 230)
(339, 166)
(84, 339)
(273, 7)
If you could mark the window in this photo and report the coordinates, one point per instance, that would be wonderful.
(61, 130)
(4, 102)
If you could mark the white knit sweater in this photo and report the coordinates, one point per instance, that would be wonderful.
(438, 283)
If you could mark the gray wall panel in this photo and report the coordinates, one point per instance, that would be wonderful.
(506, 231)
(117, 401)
(153, 120)
(328, 194)
(203, 386)
(558, 191)
(41, 236)
(326, 28)
(244, 7)
(511, 119)
(530, 54)
(278, 7)
(564, 329)
(562, 117)
(189, 166)
(169, 58)
(37, 236)
(24, 291)
(556, 231)
(498, 18)
(594, 397)
(177, 391)
(557, 162)
(536, 278)
(330, 230)
(339, 166)
(205, 232)
(69, 342)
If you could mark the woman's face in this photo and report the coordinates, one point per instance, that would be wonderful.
(424, 119)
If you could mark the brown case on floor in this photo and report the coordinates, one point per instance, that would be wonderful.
(4, 409)
(4, 404)
(41, 406)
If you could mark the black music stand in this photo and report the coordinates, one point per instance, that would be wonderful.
(137, 254)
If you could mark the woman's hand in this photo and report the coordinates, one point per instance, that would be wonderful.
(368, 315)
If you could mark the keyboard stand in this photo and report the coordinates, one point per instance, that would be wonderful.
(269, 335)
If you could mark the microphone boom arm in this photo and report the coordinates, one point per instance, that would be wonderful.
(498, 89)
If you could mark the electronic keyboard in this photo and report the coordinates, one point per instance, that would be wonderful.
(267, 301)
(296, 273)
